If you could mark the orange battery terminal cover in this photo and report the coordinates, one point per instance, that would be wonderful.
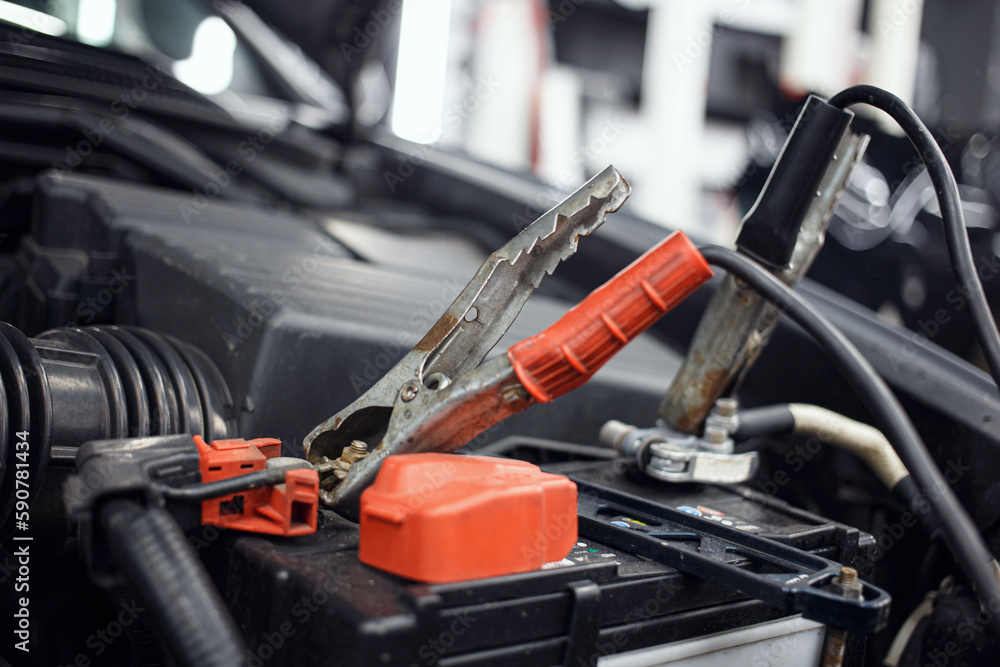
(442, 518)
(283, 509)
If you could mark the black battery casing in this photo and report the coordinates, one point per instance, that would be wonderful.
(310, 601)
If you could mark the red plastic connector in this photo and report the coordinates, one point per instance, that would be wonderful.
(443, 517)
(284, 509)
(568, 353)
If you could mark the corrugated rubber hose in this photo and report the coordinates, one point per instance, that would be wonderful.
(186, 609)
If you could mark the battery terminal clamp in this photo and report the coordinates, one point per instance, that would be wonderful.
(669, 455)
(441, 394)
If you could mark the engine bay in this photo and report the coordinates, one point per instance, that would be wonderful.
(165, 314)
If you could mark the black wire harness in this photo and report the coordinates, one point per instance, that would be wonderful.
(959, 532)
(197, 493)
(188, 612)
(950, 203)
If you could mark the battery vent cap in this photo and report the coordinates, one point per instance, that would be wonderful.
(442, 518)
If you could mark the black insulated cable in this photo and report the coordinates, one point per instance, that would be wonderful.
(769, 420)
(224, 487)
(908, 491)
(950, 203)
(186, 609)
(142, 638)
(960, 533)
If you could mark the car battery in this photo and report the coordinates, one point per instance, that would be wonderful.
(311, 601)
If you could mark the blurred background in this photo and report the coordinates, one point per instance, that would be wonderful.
(690, 99)
(680, 95)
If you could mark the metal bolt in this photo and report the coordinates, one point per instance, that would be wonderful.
(848, 577)
(721, 423)
(727, 407)
(833, 647)
(715, 435)
(669, 465)
(848, 585)
(409, 391)
(359, 447)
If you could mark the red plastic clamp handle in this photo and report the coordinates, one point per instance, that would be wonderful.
(568, 353)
